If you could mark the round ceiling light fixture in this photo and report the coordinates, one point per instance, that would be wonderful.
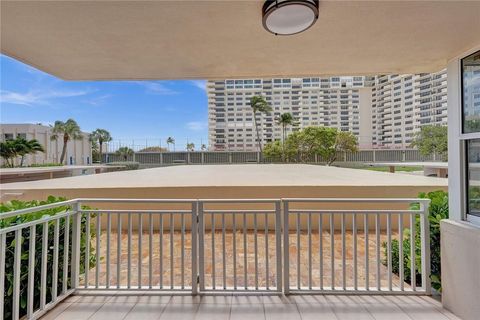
(287, 17)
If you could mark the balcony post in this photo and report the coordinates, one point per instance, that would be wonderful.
(286, 254)
(76, 231)
(425, 240)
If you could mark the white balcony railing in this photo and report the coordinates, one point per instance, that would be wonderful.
(199, 246)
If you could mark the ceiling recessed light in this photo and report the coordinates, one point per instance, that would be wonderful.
(286, 17)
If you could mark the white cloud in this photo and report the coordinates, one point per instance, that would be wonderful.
(96, 101)
(196, 125)
(155, 87)
(201, 84)
(37, 96)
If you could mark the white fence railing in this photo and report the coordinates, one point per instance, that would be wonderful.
(188, 245)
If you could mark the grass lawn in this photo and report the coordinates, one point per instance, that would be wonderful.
(387, 169)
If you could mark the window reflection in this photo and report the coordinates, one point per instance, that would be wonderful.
(473, 152)
(471, 93)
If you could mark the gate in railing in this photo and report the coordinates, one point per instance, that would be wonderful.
(329, 246)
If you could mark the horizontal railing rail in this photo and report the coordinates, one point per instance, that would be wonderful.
(291, 245)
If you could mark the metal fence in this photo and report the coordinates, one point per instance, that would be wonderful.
(238, 157)
(189, 245)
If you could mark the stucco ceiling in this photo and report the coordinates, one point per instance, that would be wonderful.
(82, 40)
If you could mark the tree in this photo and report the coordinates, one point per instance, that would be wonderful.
(20, 147)
(344, 142)
(153, 149)
(124, 152)
(285, 120)
(25, 147)
(191, 147)
(170, 141)
(259, 105)
(69, 130)
(100, 136)
(431, 140)
(203, 147)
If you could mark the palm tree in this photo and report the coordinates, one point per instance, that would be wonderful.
(25, 147)
(124, 152)
(100, 136)
(191, 147)
(259, 104)
(170, 141)
(70, 130)
(8, 152)
(285, 120)
(203, 147)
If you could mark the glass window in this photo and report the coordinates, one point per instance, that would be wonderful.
(471, 93)
(22, 135)
(473, 176)
(8, 136)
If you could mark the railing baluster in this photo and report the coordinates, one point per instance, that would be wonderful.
(161, 249)
(377, 253)
(119, 249)
(355, 262)
(56, 231)
(182, 249)
(332, 249)
(286, 246)
(309, 227)
(109, 232)
(87, 248)
(201, 240)
(413, 271)
(234, 251)
(31, 272)
(267, 272)
(43, 271)
(389, 250)
(278, 245)
(245, 279)
(129, 252)
(213, 250)
(97, 251)
(298, 252)
(140, 251)
(3, 244)
(344, 253)
(255, 240)
(224, 262)
(172, 232)
(194, 246)
(66, 246)
(367, 255)
(320, 246)
(400, 252)
(150, 251)
(425, 243)
(17, 270)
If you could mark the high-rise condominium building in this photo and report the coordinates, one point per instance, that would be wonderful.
(382, 111)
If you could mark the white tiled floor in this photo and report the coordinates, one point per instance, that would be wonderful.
(304, 307)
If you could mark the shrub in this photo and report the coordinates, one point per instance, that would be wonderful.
(129, 165)
(438, 211)
(25, 238)
(34, 165)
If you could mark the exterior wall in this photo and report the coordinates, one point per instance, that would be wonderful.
(460, 235)
(79, 152)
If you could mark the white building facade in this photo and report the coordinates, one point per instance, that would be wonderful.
(382, 111)
(79, 152)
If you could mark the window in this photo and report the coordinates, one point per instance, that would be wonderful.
(22, 135)
(471, 93)
(473, 176)
(8, 136)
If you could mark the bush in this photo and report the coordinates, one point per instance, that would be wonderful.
(129, 165)
(25, 238)
(34, 165)
(438, 211)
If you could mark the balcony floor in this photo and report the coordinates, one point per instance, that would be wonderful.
(251, 307)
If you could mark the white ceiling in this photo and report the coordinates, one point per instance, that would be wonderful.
(91, 40)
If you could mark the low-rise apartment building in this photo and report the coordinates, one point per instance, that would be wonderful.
(79, 152)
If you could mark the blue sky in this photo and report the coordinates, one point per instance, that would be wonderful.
(133, 111)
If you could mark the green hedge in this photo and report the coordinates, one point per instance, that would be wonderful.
(129, 165)
(10, 248)
(438, 211)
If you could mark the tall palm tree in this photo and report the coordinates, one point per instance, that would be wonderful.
(190, 147)
(101, 136)
(124, 152)
(70, 130)
(170, 141)
(259, 104)
(8, 152)
(285, 120)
